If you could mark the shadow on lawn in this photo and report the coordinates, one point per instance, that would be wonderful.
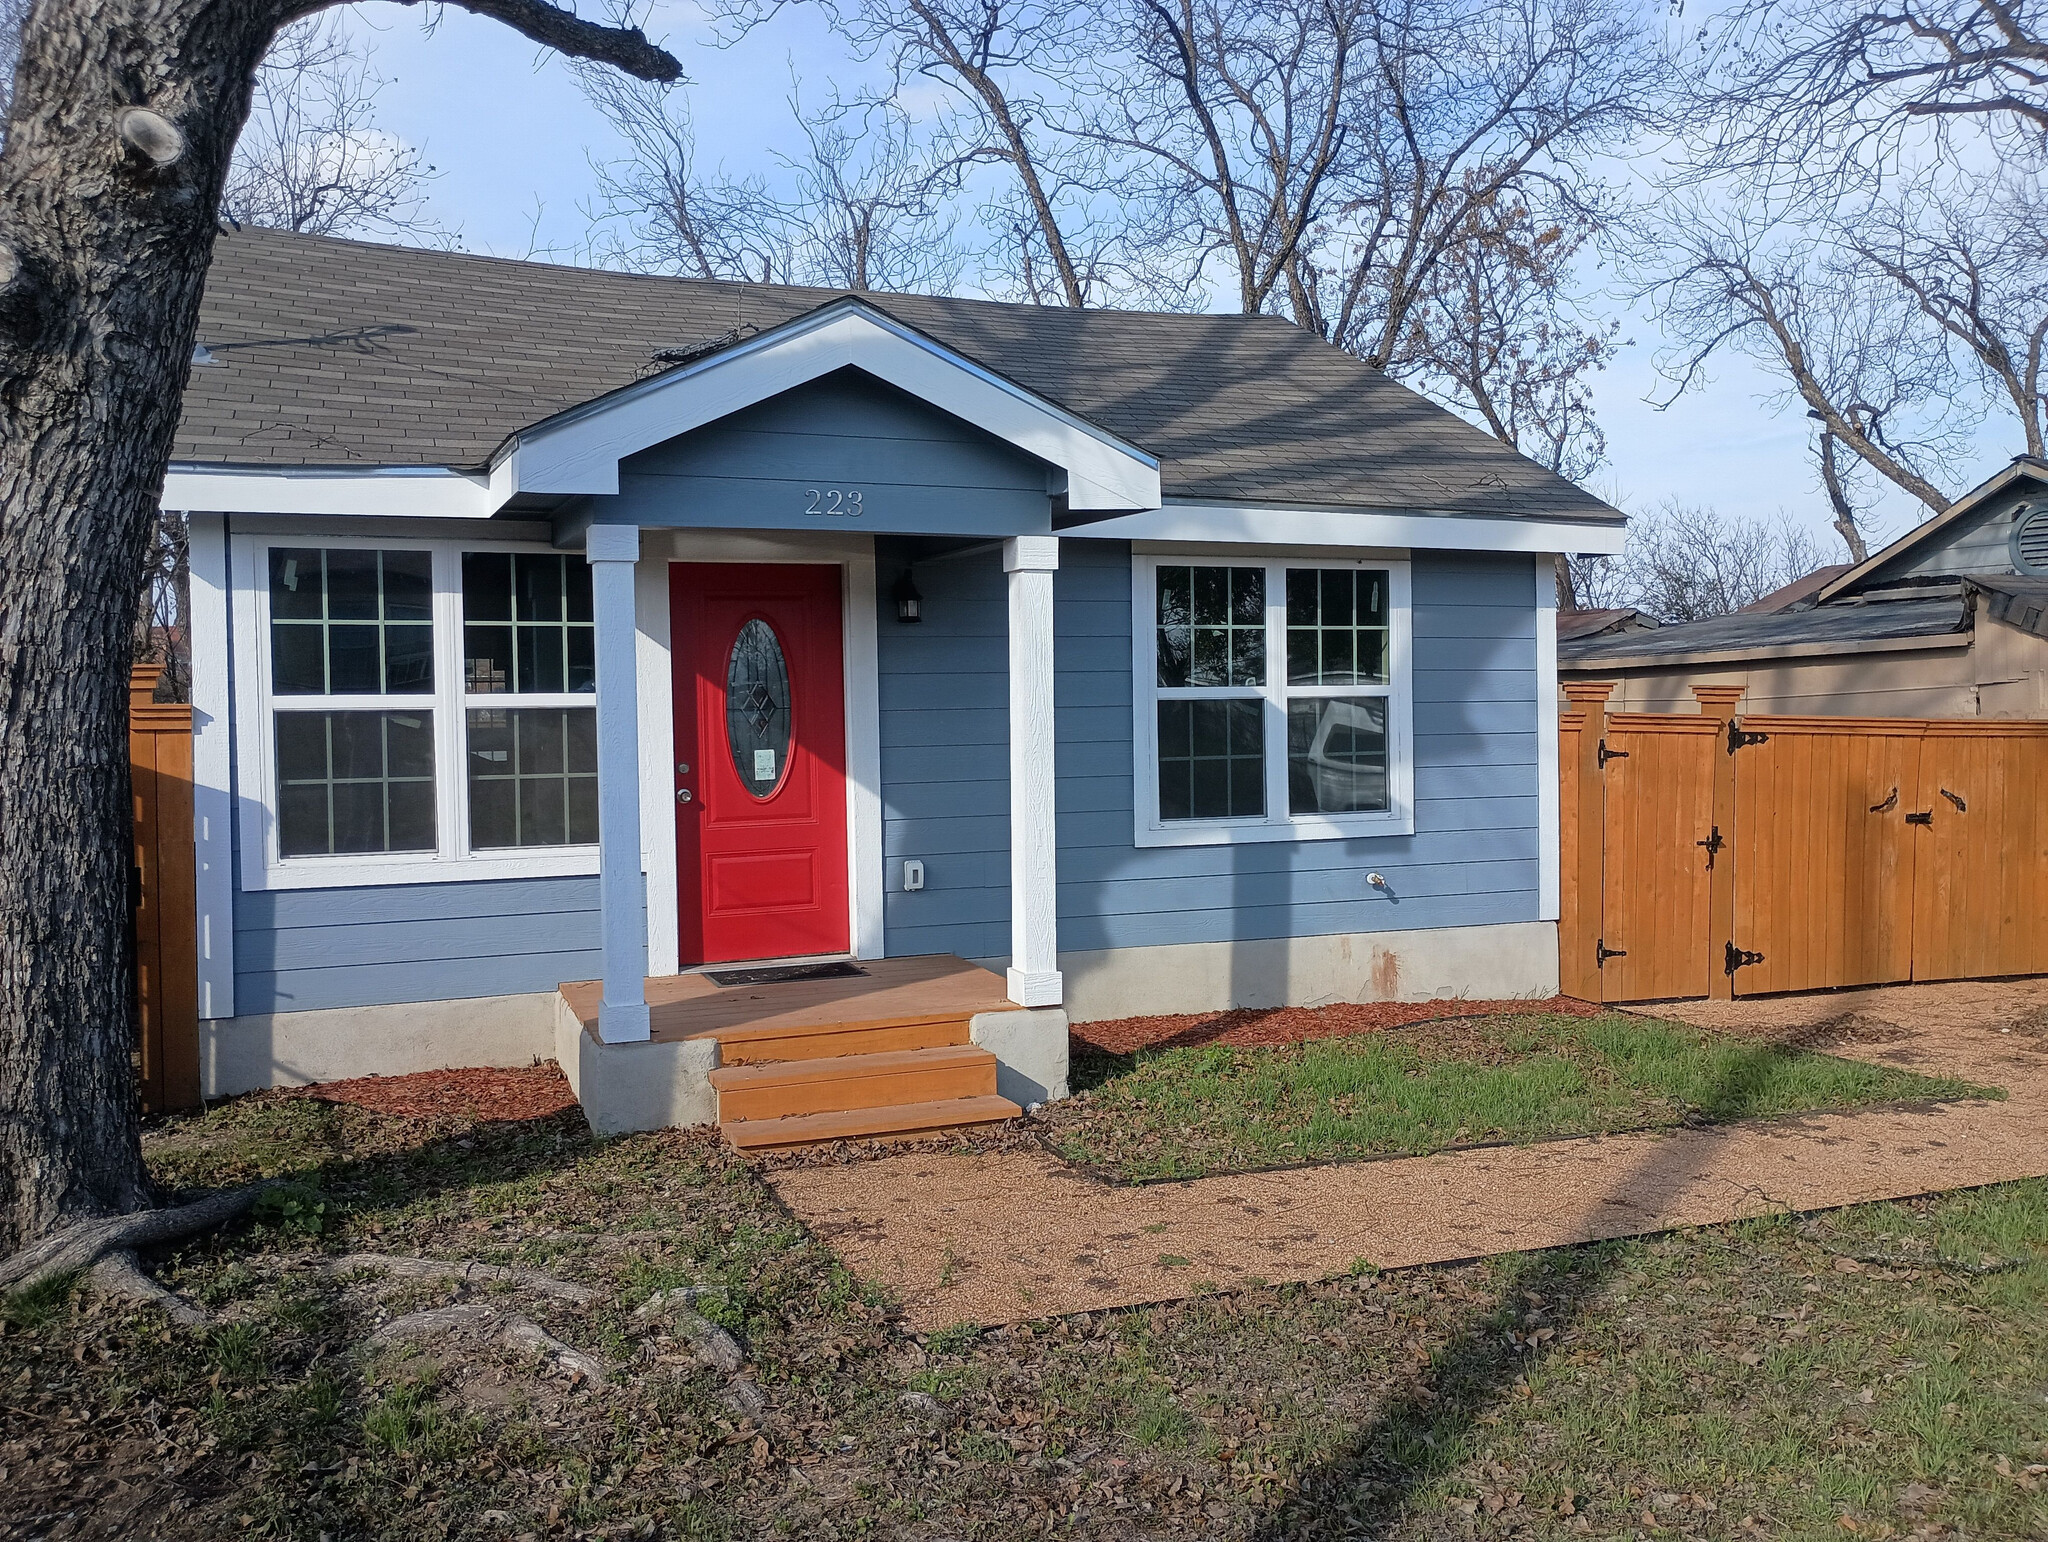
(1426, 1433)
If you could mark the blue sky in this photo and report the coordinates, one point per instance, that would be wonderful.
(512, 141)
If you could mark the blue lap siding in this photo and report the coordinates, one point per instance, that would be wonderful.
(1472, 860)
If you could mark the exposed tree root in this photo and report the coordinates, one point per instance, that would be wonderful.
(104, 1249)
(522, 1332)
(464, 1272)
(120, 1275)
(711, 1343)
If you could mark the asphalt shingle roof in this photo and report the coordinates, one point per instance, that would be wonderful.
(1833, 625)
(341, 353)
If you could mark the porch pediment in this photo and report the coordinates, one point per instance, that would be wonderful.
(578, 452)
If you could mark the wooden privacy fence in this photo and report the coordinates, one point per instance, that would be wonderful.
(1714, 855)
(165, 897)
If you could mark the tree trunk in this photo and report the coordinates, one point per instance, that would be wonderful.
(123, 119)
(124, 116)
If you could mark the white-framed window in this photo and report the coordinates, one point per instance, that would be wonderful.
(1270, 696)
(413, 710)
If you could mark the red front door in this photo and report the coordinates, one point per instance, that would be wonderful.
(760, 761)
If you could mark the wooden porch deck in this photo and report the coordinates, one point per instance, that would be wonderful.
(890, 993)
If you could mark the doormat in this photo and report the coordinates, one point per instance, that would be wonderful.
(776, 974)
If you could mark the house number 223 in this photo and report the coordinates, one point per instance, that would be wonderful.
(833, 501)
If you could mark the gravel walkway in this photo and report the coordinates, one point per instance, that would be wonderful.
(1010, 1235)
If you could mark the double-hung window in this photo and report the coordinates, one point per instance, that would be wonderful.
(1271, 697)
(414, 711)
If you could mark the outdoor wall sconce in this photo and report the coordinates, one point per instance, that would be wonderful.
(909, 603)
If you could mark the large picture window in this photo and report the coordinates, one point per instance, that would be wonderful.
(426, 708)
(1271, 697)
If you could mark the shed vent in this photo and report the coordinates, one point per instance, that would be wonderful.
(2030, 540)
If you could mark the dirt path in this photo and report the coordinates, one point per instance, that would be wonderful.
(1005, 1236)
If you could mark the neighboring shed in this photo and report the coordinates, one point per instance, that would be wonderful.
(1945, 622)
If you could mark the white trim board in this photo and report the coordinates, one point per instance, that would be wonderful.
(451, 861)
(1277, 823)
(577, 452)
(1185, 524)
(213, 802)
(1549, 809)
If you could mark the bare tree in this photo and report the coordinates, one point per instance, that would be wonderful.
(1800, 91)
(1496, 334)
(163, 612)
(1462, 104)
(1230, 116)
(311, 157)
(862, 208)
(119, 135)
(1686, 562)
(1849, 343)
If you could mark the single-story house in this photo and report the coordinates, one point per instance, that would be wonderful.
(1946, 622)
(560, 636)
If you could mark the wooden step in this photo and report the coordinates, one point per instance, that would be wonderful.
(819, 1041)
(834, 1082)
(899, 1123)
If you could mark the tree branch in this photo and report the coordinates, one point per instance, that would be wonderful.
(623, 48)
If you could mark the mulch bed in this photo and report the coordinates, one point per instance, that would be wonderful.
(471, 1096)
(1266, 1026)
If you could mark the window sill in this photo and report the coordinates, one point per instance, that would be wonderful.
(1249, 832)
(369, 872)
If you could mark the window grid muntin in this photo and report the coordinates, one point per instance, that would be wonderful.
(329, 781)
(1209, 617)
(574, 784)
(1279, 822)
(279, 568)
(1238, 772)
(547, 628)
(1324, 625)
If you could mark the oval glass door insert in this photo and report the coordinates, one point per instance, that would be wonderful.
(757, 708)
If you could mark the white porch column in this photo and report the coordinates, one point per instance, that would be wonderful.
(612, 551)
(1030, 561)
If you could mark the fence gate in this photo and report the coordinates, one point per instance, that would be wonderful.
(165, 897)
(1715, 855)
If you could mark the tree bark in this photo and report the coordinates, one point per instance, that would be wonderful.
(124, 116)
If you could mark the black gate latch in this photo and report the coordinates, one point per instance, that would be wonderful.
(1602, 953)
(1924, 817)
(1739, 739)
(1713, 843)
(1606, 754)
(1738, 957)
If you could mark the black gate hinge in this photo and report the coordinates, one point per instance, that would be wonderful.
(1602, 953)
(1739, 957)
(1606, 754)
(1713, 843)
(1741, 739)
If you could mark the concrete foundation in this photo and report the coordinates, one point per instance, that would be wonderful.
(290, 1049)
(1481, 963)
(646, 1086)
(1030, 1049)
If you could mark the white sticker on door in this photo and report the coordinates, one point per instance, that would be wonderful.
(764, 765)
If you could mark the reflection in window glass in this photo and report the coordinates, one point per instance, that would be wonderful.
(1211, 626)
(345, 621)
(1336, 754)
(532, 777)
(526, 623)
(1336, 626)
(1212, 762)
(354, 782)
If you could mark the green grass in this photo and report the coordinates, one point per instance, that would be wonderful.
(1885, 1366)
(1182, 1113)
